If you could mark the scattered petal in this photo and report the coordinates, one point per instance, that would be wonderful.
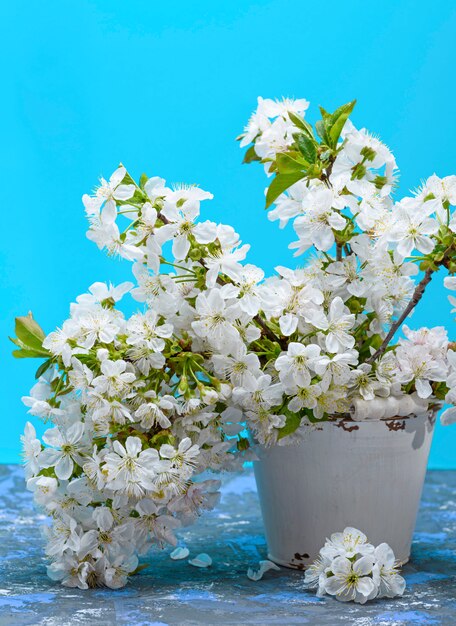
(265, 566)
(201, 560)
(179, 553)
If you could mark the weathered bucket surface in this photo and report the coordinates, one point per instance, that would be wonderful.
(368, 475)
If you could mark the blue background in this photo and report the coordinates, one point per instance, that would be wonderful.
(166, 90)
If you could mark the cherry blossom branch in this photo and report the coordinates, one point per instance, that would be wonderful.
(417, 295)
(161, 217)
(339, 252)
(258, 319)
(265, 328)
(267, 331)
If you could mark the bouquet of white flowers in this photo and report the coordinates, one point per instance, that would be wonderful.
(139, 407)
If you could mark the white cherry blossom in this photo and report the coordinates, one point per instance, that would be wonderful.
(296, 365)
(240, 367)
(132, 470)
(391, 583)
(31, 450)
(351, 581)
(336, 326)
(215, 319)
(67, 448)
(412, 228)
(320, 220)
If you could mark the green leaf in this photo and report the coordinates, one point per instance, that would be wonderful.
(29, 332)
(280, 184)
(311, 417)
(43, 368)
(47, 471)
(308, 148)
(143, 180)
(301, 123)
(291, 424)
(321, 131)
(375, 341)
(440, 390)
(251, 155)
(164, 436)
(288, 165)
(127, 179)
(324, 114)
(338, 119)
(25, 353)
(242, 444)
(342, 110)
(140, 568)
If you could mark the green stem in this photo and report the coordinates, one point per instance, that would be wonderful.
(180, 267)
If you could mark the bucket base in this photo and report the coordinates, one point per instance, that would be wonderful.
(299, 566)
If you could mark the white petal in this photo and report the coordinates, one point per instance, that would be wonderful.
(29, 431)
(363, 565)
(49, 457)
(341, 565)
(324, 240)
(179, 553)
(109, 213)
(405, 246)
(167, 451)
(449, 416)
(265, 566)
(424, 245)
(450, 282)
(75, 432)
(181, 246)
(155, 187)
(333, 585)
(423, 388)
(332, 344)
(117, 176)
(201, 560)
(64, 467)
(385, 554)
(205, 232)
(133, 446)
(124, 192)
(397, 585)
(288, 324)
(53, 437)
(365, 586)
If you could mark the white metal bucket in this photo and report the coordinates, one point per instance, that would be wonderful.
(368, 475)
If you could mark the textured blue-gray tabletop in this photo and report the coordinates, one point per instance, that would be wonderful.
(173, 592)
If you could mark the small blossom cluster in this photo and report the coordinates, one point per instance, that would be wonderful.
(218, 357)
(353, 570)
(272, 128)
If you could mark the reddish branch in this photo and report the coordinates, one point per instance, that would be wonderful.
(417, 295)
(267, 331)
